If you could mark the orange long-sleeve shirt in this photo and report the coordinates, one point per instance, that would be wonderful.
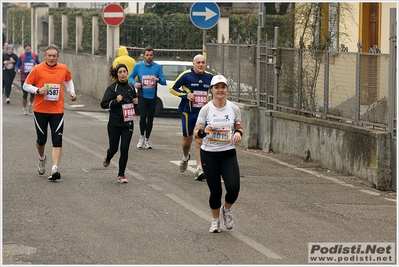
(53, 78)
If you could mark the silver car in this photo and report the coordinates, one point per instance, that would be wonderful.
(171, 69)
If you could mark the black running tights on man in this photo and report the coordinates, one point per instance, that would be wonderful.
(147, 113)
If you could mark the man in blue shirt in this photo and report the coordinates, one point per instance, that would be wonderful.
(192, 87)
(25, 64)
(149, 74)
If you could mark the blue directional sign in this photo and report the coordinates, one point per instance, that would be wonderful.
(204, 15)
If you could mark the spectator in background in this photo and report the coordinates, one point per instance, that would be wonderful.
(25, 64)
(5, 45)
(9, 61)
(122, 57)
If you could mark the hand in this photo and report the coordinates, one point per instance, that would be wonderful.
(208, 129)
(236, 137)
(73, 97)
(190, 96)
(135, 101)
(119, 98)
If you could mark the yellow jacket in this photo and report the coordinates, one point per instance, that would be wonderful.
(122, 56)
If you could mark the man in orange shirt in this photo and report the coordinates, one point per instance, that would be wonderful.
(45, 81)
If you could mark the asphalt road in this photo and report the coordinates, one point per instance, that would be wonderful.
(162, 216)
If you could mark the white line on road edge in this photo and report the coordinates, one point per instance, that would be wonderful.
(265, 251)
(370, 192)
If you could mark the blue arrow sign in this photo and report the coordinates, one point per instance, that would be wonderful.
(204, 15)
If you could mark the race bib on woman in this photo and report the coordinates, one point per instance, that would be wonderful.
(220, 135)
(128, 112)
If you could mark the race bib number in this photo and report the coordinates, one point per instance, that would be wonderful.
(128, 112)
(53, 91)
(28, 66)
(200, 98)
(220, 135)
(147, 82)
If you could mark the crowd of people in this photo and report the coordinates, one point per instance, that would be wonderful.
(206, 115)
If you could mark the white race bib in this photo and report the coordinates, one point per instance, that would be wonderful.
(53, 91)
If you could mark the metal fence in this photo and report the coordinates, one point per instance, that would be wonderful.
(350, 87)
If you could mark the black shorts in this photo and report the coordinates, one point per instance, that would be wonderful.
(56, 122)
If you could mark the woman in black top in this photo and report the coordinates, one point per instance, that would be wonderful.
(119, 98)
(9, 61)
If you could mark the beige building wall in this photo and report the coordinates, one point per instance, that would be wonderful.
(350, 26)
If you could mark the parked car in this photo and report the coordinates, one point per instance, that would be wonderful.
(171, 69)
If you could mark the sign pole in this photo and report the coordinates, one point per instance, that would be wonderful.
(204, 44)
(113, 42)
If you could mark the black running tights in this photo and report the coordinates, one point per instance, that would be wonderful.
(217, 165)
(125, 135)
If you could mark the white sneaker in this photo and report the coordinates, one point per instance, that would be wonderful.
(30, 107)
(184, 163)
(147, 144)
(141, 142)
(215, 226)
(199, 175)
(8, 100)
(25, 111)
(122, 180)
(41, 166)
(227, 218)
(54, 175)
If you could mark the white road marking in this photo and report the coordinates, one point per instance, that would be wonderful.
(265, 251)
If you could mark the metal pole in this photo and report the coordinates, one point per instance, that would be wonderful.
(261, 19)
(326, 82)
(204, 43)
(392, 72)
(113, 42)
(357, 94)
(276, 69)
(238, 69)
(222, 55)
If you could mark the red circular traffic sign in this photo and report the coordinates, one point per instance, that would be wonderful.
(113, 14)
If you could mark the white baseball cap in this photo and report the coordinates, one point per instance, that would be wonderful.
(218, 79)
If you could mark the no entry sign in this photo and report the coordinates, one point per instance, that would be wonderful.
(113, 14)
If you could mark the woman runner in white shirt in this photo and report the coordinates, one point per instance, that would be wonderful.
(219, 123)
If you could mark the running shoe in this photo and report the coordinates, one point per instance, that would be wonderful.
(122, 180)
(199, 175)
(215, 226)
(147, 144)
(8, 100)
(106, 162)
(141, 142)
(54, 175)
(30, 108)
(25, 111)
(184, 163)
(227, 218)
(41, 167)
